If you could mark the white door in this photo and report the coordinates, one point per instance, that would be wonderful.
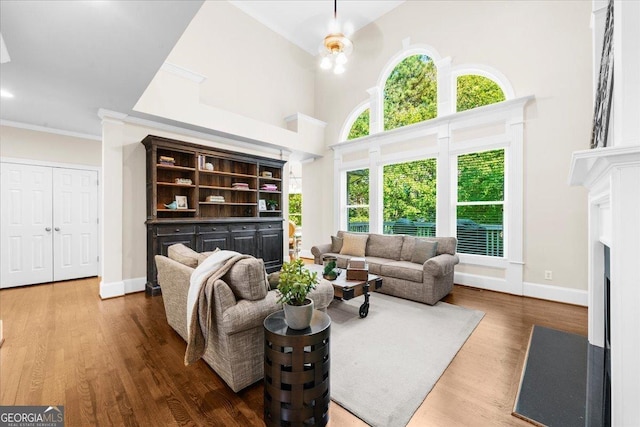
(75, 223)
(26, 225)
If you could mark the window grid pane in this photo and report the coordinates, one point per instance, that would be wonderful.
(480, 210)
(410, 198)
(358, 200)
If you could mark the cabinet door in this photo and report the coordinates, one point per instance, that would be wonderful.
(270, 244)
(26, 231)
(210, 241)
(244, 242)
(75, 223)
(165, 241)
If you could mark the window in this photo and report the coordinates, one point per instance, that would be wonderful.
(358, 200)
(410, 198)
(480, 203)
(410, 93)
(295, 208)
(475, 91)
(360, 126)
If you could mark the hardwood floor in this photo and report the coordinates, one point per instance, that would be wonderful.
(117, 362)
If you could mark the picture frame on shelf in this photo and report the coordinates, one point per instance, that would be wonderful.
(181, 202)
(262, 205)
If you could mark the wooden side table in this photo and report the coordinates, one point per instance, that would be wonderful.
(296, 372)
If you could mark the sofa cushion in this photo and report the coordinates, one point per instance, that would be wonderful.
(423, 250)
(402, 270)
(336, 244)
(407, 248)
(247, 279)
(384, 246)
(375, 263)
(183, 254)
(354, 244)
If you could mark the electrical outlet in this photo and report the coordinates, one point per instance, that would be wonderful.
(548, 275)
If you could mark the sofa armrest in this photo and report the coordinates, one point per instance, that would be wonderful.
(173, 278)
(440, 265)
(322, 295)
(320, 250)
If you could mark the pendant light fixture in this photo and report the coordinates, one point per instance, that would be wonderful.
(336, 47)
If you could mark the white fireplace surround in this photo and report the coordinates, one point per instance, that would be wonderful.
(612, 176)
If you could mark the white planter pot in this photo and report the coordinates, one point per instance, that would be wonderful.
(298, 316)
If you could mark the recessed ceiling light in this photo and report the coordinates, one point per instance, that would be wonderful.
(5, 94)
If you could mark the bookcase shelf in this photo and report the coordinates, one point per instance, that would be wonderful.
(207, 225)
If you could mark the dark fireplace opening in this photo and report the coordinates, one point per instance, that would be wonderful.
(599, 362)
(606, 404)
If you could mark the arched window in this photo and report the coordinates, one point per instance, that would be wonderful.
(360, 126)
(411, 92)
(475, 91)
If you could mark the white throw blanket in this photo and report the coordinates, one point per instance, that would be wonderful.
(200, 275)
(200, 300)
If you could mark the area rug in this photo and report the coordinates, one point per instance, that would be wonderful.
(553, 387)
(383, 366)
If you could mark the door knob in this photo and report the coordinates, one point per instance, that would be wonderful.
(57, 228)
(47, 228)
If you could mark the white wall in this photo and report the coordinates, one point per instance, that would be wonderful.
(253, 79)
(48, 147)
(544, 49)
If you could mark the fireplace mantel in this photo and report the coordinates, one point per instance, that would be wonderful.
(612, 176)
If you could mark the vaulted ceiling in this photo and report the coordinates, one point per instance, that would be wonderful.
(70, 58)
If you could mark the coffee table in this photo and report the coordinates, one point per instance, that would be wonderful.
(347, 289)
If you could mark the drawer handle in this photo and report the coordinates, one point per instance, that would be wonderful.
(177, 230)
(244, 227)
(269, 226)
(213, 228)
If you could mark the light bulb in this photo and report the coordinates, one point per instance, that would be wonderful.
(326, 64)
(341, 58)
(339, 69)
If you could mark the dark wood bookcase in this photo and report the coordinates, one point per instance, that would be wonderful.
(223, 191)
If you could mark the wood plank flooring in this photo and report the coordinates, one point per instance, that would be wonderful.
(117, 362)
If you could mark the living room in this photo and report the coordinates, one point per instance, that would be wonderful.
(238, 94)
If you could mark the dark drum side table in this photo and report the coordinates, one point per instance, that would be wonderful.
(296, 372)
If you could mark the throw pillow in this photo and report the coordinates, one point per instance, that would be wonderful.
(183, 254)
(354, 244)
(423, 250)
(336, 244)
(204, 255)
(247, 279)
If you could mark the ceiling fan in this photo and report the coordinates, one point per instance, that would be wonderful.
(336, 47)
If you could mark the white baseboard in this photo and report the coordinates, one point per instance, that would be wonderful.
(111, 289)
(533, 290)
(134, 285)
(482, 282)
(556, 293)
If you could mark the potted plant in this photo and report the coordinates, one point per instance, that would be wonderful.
(295, 284)
(330, 272)
(272, 204)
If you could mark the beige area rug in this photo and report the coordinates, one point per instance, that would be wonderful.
(383, 366)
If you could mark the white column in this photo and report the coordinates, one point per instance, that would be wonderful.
(376, 119)
(625, 295)
(444, 202)
(446, 91)
(514, 196)
(375, 191)
(112, 283)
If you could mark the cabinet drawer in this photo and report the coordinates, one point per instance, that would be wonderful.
(168, 230)
(270, 226)
(212, 228)
(242, 227)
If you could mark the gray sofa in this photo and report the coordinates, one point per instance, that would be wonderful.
(242, 301)
(390, 257)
